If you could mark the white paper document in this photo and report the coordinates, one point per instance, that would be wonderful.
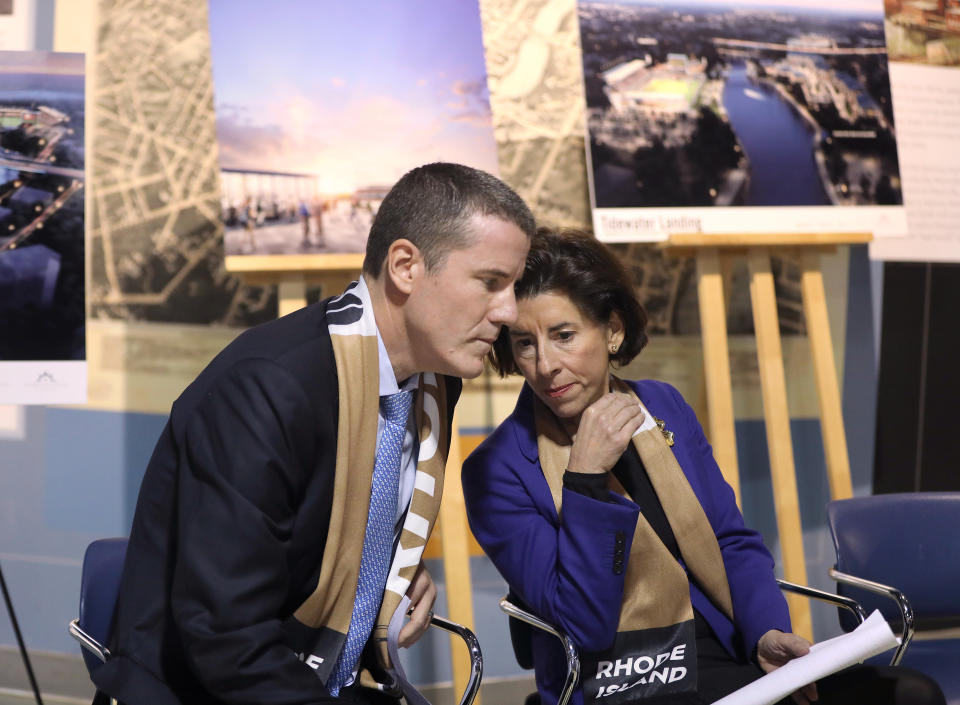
(869, 639)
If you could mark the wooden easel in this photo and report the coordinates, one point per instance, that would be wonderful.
(710, 290)
(292, 274)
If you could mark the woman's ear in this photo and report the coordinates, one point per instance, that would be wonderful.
(403, 264)
(615, 332)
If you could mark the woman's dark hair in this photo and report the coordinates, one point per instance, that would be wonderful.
(572, 263)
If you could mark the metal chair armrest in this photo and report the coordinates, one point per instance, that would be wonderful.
(473, 646)
(476, 658)
(573, 658)
(87, 641)
(846, 603)
(906, 610)
(90, 644)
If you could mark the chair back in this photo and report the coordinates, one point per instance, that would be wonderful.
(909, 541)
(99, 588)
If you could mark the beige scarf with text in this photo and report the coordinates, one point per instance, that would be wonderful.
(355, 348)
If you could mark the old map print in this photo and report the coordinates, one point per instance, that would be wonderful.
(536, 95)
(156, 233)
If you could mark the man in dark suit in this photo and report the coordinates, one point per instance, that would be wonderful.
(241, 576)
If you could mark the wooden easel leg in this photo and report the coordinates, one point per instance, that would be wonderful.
(456, 560)
(291, 295)
(774, 392)
(716, 366)
(825, 371)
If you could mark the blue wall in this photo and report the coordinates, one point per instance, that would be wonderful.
(73, 478)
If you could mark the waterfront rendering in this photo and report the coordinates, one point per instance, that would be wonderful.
(709, 104)
(342, 100)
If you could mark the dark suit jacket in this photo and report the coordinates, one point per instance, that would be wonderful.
(231, 525)
(563, 569)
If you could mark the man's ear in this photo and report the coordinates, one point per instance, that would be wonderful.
(403, 265)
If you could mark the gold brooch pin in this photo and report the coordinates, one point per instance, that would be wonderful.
(668, 435)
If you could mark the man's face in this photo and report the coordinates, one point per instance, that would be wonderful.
(455, 311)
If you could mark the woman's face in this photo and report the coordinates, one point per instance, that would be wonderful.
(562, 354)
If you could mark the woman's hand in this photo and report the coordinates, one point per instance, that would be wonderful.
(422, 593)
(606, 426)
(775, 648)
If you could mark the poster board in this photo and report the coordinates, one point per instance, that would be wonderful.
(738, 117)
(42, 179)
(924, 45)
(307, 159)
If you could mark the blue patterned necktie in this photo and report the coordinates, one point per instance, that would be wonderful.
(378, 539)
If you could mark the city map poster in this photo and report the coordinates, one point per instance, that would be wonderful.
(322, 108)
(769, 116)
(42, 313)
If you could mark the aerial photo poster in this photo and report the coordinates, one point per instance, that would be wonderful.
(923, 38)
(42, 314)
(713, 116)
(341, 101)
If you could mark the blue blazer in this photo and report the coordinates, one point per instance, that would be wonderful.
(563, 567)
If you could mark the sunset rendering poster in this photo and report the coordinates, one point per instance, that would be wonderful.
(341, 100)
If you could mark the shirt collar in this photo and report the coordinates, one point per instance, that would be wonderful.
(388, 380)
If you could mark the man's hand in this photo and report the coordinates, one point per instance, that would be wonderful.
(775, 648)
(422, 593)
(606, 427)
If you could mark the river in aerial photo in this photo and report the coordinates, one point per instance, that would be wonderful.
(777, 141)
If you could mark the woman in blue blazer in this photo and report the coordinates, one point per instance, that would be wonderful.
(601, 504)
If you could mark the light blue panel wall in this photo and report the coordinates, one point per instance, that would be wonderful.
(72, 479)
(44, 592)
(757, 498)
(84, 472)
(95, 462)
(876, 284)
(43, 37)
(860, 369)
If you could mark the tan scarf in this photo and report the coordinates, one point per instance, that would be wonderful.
(354, 340)
(656, 591)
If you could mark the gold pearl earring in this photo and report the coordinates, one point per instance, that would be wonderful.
(613, 349)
